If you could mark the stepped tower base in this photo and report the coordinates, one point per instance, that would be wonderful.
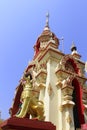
(26, 124)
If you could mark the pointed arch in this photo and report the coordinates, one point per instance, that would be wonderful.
(70, 64)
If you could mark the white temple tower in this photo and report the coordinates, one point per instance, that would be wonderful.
(60, 81)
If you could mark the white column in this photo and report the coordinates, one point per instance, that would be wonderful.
(47, 98)
(42, 94)
(59, 125)
(68, 119)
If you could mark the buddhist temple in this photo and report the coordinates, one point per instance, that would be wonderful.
(52, 92)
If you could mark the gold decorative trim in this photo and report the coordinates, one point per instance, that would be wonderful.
(61, 108)
(68, 119)
(50, 90)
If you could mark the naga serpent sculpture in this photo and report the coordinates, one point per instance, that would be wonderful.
(30, 105)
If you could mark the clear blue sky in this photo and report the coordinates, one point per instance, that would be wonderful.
(21, 22)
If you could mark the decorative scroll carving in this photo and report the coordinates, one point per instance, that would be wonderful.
(39, 66)
(69, 64)
(69, 119)
(68, 80)
(69, 67)
(67, 91)
(85, 97)
(50, 90)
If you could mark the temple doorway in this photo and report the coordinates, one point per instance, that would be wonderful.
(77, 109)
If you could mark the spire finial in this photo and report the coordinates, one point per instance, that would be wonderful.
(0, 114)
(73, 44)
(47, 19)
(73, 47)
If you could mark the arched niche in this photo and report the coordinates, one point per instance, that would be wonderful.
(70, 64)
